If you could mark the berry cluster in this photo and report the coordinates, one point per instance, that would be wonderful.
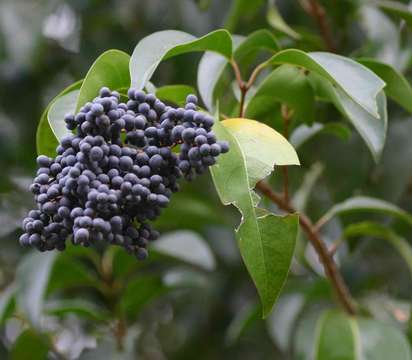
(117, 171)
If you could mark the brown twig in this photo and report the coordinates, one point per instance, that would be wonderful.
(331, 270)
(316, 10)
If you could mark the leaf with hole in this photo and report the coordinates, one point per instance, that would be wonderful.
(266, 241)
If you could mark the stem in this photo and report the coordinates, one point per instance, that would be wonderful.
(316, 10)
(254, 74)
(242, 102)
(242, 87)
(331, 270)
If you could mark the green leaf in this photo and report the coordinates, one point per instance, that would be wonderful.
(80, 307)
(212, 65)
(305, 190)
(281, 324)
(162, 45)
(110, 69)
(396, 8)
(275, 20)
(262, 146)
(140, 292)
(239, 9)
(32, 277)
(286, 84)
(397, 87)
(380, 341)
(372, 130)
(337, 337)
(65, 104)
(356, 81)
(303, 133)
(187, 246)
(6, 301)
(46, 142)
(29, 345)
(343, 337)
(257, 40)
(369, 228)
(241, 322)
(174, 93)
(69, 273)
(363, 203)
(266, 241)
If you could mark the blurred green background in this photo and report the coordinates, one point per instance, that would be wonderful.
(93, 303)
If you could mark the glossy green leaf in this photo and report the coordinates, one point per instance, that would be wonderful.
(212, 65)
(305, 190)
(46, 142)
(29, 345)
(396, 8)
(275, 19)
(262, 146)
(266, 241)
(288, 85)
(110, 69)
(257, 40)
(80, 307)
(372, 130)
(242, 320)
(281, 323)
(69, 273)
(162, 45)
(187, 246)
(342, 337)
(32, 279)
(239, 9)
(6, 300)
(363, 203)
(379, 341)
(64, 105)
(373, 229)
(174, 93)
(337, 337)
(355, 80)
(397, 87)
(304, 133)
(139, 292)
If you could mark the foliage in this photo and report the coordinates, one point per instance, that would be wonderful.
(316, 115)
